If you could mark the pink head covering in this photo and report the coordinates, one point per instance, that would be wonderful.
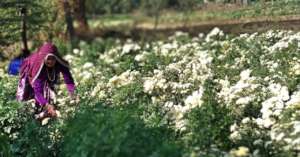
(35, 62)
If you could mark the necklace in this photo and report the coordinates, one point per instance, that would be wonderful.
(53, 75)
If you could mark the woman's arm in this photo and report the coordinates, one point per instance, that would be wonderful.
(69, 81)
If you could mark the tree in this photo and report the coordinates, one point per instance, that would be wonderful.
(187, 6)
(24, 30)
(39, 14)
(80, 14)
(153, 8)
(69, 22)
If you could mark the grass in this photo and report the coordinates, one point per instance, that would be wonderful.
(209, 13)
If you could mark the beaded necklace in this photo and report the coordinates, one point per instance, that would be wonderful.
(53, 75)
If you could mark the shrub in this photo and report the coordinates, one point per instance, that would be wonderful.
(209, 124)
(114, 132)
(37, 140)
(4, 147)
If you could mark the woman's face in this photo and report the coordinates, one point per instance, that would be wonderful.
(50, 61)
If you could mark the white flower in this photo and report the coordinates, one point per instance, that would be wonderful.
(268, 143)
(284, 94)
(296, 141)
(139, 57)
(279, 137)
(296, 69)
(279, 46)
(277, 112)
(258, 142)
(169, 104)
(246, 120)
(267, 123)
(296, 127)
(125, 78)
(259, 121)
(244, 100)
(7, 129)
(256, 152)
(194, 100)
(81, 53)
(149, 86)
(167, 48)
(245, 74)
(45, 121)
(180, 33)
(245, 35)
(235, 136)
(130, 47)
(58, 113)
(287, 140)
(240, 152)
(181, 125)
(86, 75)
(161, 83)
(88, 65)
(295, 99)
(200, 35)
(215, 32)
(76, 51)
(69, 58)
(272, 106)
(233, 127)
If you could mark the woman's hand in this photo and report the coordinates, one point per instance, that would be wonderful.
(50, 110)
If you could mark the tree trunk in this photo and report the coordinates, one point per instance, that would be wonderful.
(69, 21)
(80, 14)
(245, 2)
(24, 29)
(156, 20)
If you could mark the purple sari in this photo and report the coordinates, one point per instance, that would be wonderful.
(36, 81)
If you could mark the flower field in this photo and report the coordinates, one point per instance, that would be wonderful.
(211, 95)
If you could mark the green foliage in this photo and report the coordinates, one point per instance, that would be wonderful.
(119, 114)
(110, 6)
(208, 125)
(128, 6)
(151, 7)
(36, 140)
(98, 46)
(114, 132)
(5, 150)
(12, 114)
(39, 15)
(63, 46)
(256, 9)
(131, 94)
(16, 124)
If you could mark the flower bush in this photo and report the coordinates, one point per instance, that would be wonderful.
(211, 95)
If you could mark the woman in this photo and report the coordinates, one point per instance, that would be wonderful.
(38, 75)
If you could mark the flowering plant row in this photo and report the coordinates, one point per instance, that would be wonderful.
(221, 95)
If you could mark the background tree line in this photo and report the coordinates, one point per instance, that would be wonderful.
(47, 19)
(127, 6)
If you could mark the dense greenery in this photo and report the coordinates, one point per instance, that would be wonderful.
(188, 13)
(39, 16)
(115, 132)
(213, 95)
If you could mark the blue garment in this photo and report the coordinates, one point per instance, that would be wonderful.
(14, 66)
